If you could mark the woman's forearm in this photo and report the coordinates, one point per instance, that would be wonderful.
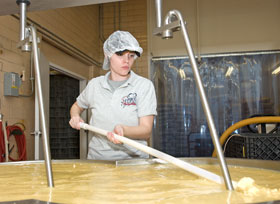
(142, 131)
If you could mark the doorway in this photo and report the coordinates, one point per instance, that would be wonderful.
(64, 87)
(64, 140)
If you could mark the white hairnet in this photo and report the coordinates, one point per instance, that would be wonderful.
(119, 41)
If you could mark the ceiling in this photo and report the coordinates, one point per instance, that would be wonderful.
(8, 7)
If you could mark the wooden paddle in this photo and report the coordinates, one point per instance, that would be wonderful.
(177, 162)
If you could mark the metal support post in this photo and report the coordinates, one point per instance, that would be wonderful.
(41, 107)
(25, 46)
(166, 31)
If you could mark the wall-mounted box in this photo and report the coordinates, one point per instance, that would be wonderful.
(11, 84)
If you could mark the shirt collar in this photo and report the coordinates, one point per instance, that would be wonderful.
(130, 80)
(105, 83)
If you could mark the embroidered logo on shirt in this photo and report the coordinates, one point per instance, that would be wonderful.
(129, 100)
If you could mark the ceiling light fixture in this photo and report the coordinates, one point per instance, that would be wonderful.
(229, 71)
(276, 71)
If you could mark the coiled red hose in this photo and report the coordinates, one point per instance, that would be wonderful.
(20, 140)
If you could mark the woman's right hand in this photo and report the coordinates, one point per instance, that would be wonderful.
(75, 122)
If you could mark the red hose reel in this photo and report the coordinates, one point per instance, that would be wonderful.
(20, 140)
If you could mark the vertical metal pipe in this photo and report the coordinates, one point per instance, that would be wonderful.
(37, 127)
(42, 110)
(36, 132)
(6, 141)
(204, 101)
(23, 31)
(22, 19)
(5, 137)
(158, 4)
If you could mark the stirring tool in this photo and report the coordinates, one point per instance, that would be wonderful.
(161, 155)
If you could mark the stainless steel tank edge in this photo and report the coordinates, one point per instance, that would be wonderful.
(254, 163)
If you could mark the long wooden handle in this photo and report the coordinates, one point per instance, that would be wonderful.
(177, 162)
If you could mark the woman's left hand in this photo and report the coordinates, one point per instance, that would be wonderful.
(117, 130)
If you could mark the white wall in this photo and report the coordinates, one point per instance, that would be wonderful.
(219, 26)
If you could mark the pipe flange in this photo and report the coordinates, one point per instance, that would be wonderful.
(27, 2)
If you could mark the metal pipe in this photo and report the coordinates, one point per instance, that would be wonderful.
(204, 101)
(198, 31)
(37, 133)
(22, 22)
(5, 138)
(23, 31)
(6, 141)
(158, 4)
(168, 33)
(31, 77)
(54, 39)
(41, 107)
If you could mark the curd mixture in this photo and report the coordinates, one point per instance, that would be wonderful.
(149, 184)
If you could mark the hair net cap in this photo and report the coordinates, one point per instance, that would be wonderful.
(119, 41)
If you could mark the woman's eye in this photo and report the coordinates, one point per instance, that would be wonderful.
(126, 53)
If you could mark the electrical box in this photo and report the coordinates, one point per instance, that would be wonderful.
(11, 84)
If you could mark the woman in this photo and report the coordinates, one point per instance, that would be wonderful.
(121, 102)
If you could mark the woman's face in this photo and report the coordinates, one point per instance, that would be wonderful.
(120, 64)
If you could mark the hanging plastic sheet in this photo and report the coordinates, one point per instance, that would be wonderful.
(237, 87)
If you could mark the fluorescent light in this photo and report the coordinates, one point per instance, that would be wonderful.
(229, 71)
(276, 71)
(182, 74)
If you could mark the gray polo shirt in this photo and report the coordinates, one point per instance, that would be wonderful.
(133, 99)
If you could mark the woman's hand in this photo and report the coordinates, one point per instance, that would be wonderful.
(75, 122)
(75, 113)
(117, 130)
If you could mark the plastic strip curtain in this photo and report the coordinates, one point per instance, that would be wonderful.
(237, 87)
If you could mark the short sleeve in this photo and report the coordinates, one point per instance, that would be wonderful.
(83, 98)
(147, 102)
